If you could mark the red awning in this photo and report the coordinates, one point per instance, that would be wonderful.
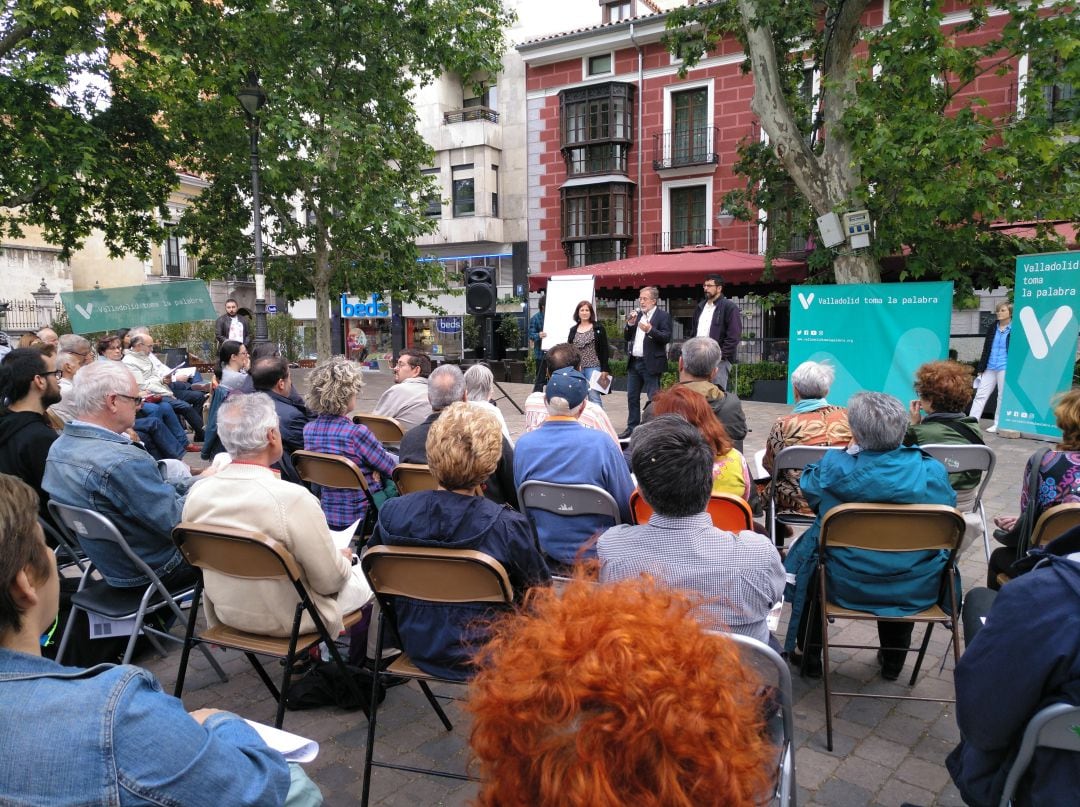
(686, 267)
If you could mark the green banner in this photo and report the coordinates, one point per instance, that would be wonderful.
(1042, 345)
(874, 335)
(128, 306)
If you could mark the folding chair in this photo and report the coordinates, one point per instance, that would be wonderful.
(433, 575)
(568, 501)
(335, 471)
(792, 458)
(728, 512)
(64, 544)
(1053, 523)
(411, 477)
(101, 599)
(958, 458)
(247, 555)
(888, 528)
(1054, 726)
(774, 673)
(387, 430)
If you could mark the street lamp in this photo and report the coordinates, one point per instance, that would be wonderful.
(252, 99)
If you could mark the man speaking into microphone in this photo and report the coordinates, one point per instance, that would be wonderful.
(648, 330)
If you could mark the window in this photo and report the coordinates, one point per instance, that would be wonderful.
(170, 255)
(599, 65)
(596, 128)
(463, 190)
(495, 193)
(618, 10)
(1061, 103)
(691, 132)
(689, 225)
(596, 222)
(434, 199)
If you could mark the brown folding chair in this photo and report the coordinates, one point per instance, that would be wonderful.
(335, 471)
(1053, 523)
(728, 512)
(387, 430)
(411, 477)
(888, 528)
(434, 575)
(253, 556)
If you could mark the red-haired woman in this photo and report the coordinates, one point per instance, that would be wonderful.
(730, 471)
(615, 695)
(589, 338)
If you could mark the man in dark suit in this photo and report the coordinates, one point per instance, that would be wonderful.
(648, 330)
(271, 375)
(719, 318)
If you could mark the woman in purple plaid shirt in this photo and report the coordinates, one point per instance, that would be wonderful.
(333, 389)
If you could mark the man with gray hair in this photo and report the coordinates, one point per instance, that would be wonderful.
(565, 452)
(875, 468)
(740, 576)
(479, 381)
(288, 513)
(93, 464)
(48, 336)
(79, 346)
(698, 359)
(140, 358)
(446, 386)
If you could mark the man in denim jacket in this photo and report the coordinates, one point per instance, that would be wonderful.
(94, 465)
(106, 735)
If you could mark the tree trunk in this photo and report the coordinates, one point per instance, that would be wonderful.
(321, 283)
(858, 268)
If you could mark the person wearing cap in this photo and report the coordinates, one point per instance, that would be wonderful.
(564, 452)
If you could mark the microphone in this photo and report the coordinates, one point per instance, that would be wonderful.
(634, 315)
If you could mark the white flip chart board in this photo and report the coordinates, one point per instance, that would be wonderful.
(563, 295)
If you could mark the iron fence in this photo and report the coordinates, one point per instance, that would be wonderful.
(20, 316)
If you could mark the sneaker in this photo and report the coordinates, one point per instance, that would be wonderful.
(992, 429)
(193, 447)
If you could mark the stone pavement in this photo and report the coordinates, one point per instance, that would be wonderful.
(885, 752)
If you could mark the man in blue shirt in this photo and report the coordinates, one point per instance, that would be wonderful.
(563, 451)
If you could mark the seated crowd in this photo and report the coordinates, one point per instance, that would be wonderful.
(672, 578)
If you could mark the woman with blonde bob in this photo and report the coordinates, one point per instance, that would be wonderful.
(615, 695)
(333, 390)
(463, 447)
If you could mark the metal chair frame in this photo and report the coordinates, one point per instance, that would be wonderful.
(759, 655)
(972, 457)
(792, 458)
(336, 471)
(1054, 726)
(1053, 522)
(253, 556)
(430, 574)
(888, 528)
(100, 598)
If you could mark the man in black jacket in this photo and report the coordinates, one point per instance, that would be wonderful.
(271, 375)
(232, 324)
(719, 318)
(28, 386)
(648, 330)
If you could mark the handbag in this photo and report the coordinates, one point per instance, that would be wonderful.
(1020, 535)
(389, 491)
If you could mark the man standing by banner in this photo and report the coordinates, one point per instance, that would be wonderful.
(719, 318)
(648, 330)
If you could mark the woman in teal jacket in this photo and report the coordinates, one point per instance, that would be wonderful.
(874, 469)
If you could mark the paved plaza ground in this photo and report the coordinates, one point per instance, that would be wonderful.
(886, 752)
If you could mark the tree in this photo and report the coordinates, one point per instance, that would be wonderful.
(341, 157)
(81, 88)
(898, 129)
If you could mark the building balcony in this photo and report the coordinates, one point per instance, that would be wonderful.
(471, 113)
(684, 148)
(680, 239)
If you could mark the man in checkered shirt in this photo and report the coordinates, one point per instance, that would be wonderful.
(740, 575)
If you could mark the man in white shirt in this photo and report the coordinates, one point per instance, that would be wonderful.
(648, 330)
(720, 319)
(231, 326)
(407, 400)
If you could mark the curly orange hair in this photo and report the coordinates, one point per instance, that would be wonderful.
(945, 385)
(693, 406)
(615, 695)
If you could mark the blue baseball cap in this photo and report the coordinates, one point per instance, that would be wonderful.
(567, 383)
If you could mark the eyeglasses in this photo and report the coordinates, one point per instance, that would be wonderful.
(403, 364)
(135, 399)
(58, 374)
(709, 285)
